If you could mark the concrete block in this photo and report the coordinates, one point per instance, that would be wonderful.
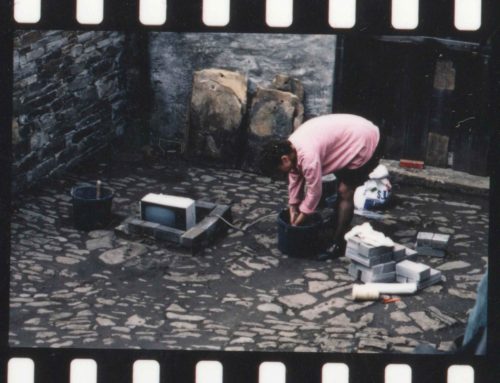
(379, 278)
(440, 241)
(354, 270)
(148, 228)
(399, 251)
(135, 226)
(381, 268)
(413, 270)
(221, 211)
(404, 253)
(424, 239)
(435, 277)
(205, 205)
(204, 230)
(367, 250)
(369, 261)
(430, 251)
(402, 279)
(165, 233)
(368, 275)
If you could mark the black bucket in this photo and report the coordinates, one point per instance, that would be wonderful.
(299, 241)
(90, 212)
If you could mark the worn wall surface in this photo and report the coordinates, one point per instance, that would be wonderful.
(69, 99)
(174, 57)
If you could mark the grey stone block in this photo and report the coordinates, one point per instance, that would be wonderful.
(205, 205)
(424, 239)
(381, 268)
(367, 250)
(368, 275)
(369, 261)
(430, 251)
(199, 233)
(402, 279)
(148, 228)
(399, 251)
(221, 211)
(413, 270)
(165, 233)
(405, 253)
(435, 277)
(440, 241)
(382, 278)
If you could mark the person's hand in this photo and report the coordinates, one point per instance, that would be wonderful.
(294, 213)
(300, 218)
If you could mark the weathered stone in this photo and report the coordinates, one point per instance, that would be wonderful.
(218, 103)
(400, 316)
(453, 265)
(317, 286)
(297, 301)
(100, 243)
(135, 320)
(462, 294)
(67, 260)
(425, 322)
(189, 318)
(272, 114)
(406, 330)
(105, 322)
(373, 343)
(286, 83)
(122, 254)
(325, 307)
(270, 307)
(292, 85)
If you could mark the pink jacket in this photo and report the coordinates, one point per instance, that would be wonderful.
(325, 145)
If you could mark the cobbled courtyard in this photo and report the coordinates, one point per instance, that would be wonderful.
(98, 289)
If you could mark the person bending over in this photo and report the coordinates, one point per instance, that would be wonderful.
(343, 144)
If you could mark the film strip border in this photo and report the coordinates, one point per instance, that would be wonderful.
(433, 18)
(198, 367)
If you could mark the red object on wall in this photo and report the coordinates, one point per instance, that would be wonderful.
(411, 164)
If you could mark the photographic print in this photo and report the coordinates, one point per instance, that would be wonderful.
(249, 192)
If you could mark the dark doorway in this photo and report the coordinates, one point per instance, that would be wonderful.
(425, 95)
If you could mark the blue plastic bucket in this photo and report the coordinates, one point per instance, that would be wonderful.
(90, 212)
(299, 241)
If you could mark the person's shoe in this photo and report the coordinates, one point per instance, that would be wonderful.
(333, 252)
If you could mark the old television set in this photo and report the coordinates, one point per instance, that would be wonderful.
(169, 210)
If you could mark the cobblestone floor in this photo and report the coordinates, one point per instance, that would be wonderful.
(76, 289)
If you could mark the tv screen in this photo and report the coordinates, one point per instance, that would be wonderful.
(164, 215)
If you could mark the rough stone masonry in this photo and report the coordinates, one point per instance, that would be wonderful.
(69, 99)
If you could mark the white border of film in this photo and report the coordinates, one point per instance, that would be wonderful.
(22, 370)
(279, 13)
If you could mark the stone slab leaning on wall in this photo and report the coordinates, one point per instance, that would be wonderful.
(275, 113)
(218, 106)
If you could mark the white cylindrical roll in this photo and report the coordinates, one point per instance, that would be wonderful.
(364, 293)
(393, 288)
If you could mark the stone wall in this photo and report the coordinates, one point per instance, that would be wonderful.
(175, 56)
(69, 99)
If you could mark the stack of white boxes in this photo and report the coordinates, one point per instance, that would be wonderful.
(375, 263)
(424, 276)
(372, 264)
(432, 244)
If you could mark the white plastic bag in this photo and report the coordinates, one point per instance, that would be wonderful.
(375, 192)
